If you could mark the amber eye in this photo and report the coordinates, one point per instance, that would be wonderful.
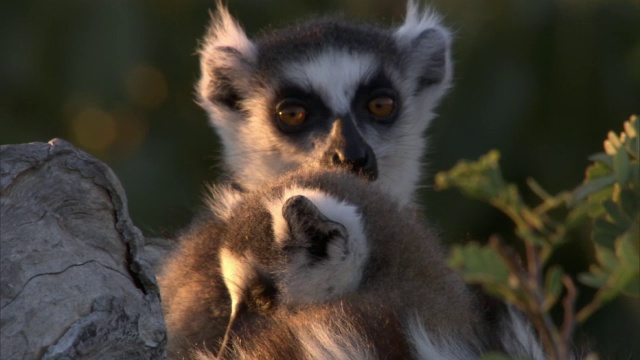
(291, 115)
(381, 106)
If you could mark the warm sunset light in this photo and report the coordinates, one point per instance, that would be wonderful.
(510, 129)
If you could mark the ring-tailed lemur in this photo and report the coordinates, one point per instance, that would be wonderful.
(314, 264)
(325, 91)
(330, 93)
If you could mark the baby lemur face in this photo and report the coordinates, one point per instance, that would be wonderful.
(327, 92)
(308, 248)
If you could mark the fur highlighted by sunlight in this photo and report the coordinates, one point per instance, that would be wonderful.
(332, 70)
(311, 237)
(313, 250)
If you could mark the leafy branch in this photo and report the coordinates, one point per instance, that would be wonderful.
(609, 196)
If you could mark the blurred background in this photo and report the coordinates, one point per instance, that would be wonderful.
(543, 81)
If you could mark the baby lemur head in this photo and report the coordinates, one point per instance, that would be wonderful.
(291, 244)
(329, 91)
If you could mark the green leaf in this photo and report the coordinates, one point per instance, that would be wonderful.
(601, 169)
(590, 279)
(595, 200)
(606, 257)
(617, 271)
(632, 131)
(576, 215)
(631, 145)
(480, 263)
(633, 288)
(621, 166)
(484, 266)
(616, 215)
(629, 203)
(592, 186)
(479, 180)
(627, 252)
(527, 235)
(552, 286)
(634, 175)
(605, 233)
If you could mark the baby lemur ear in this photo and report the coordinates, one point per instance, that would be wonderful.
(426, 47)
(227, 59)
(310, 228)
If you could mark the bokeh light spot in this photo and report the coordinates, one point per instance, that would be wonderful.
(94, 129)
(132, 132)
(146, 86)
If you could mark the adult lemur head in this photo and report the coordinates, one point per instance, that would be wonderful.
(325, 91)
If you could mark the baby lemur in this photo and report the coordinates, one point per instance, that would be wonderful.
(312, 238)
(321, 264)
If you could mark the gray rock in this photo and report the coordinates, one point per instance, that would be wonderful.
(74, 279)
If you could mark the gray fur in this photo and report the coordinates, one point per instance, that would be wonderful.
(405, 269)
(240, 266)
(302, 41)
(405, 291)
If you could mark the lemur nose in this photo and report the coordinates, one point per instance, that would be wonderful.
(349, 150)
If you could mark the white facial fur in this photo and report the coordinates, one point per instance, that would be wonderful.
(334, 74)
(347, 254)
(256, 151)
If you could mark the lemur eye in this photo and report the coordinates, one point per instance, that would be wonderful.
(291, 114)
(381, 106)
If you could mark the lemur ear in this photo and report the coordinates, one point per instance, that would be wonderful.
(309, 227)
(426, 47)
(227, 57)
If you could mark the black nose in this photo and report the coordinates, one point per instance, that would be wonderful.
(348, 149)
(362, 162)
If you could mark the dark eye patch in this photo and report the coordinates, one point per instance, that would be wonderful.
(378, 86)
(261, 295)
(317, 112)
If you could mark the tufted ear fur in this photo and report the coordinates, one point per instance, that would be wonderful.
(426, 45)
(227, 59)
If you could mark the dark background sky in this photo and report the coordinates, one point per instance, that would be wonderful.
(543, 81)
